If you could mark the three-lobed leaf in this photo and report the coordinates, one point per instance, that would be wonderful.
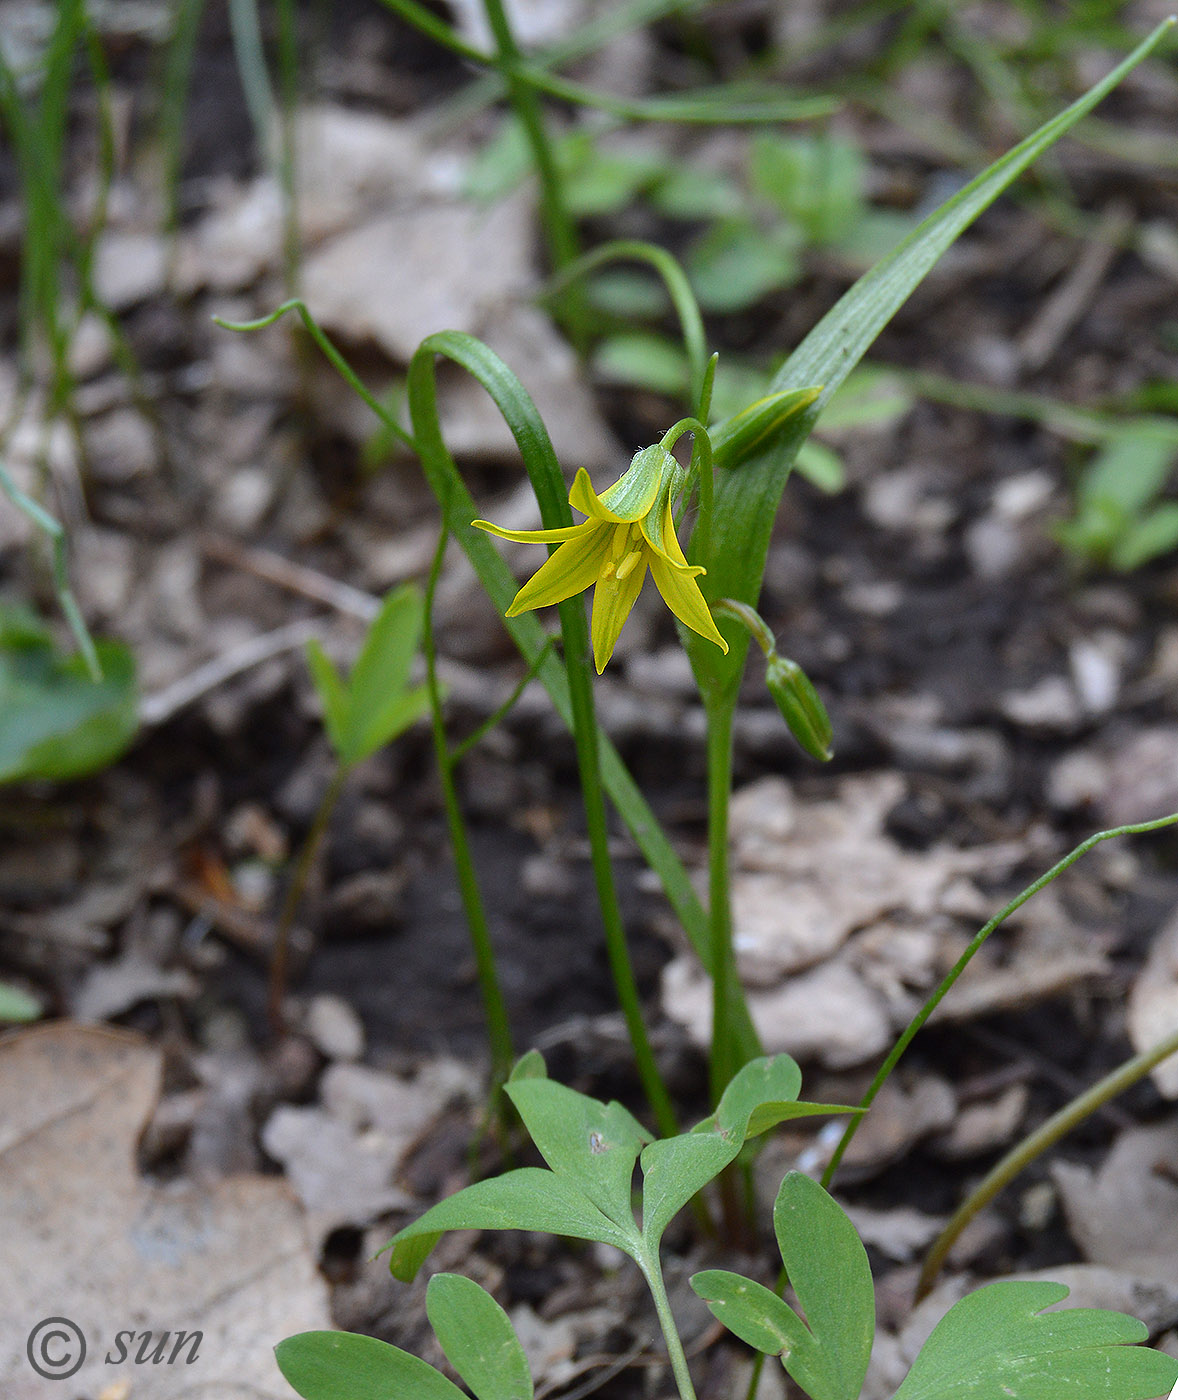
(761, 1095)
(826, 1355)
(998, 1341)
(589, 1143)
(478, 1338)
(827, 1266)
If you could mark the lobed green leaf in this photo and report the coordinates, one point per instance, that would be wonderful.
(827, 1266)
(478, 1338)
(528, 1198)
(591, 1144)
(998, 1341)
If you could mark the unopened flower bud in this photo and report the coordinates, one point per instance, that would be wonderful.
(747, 432)
(801, 706)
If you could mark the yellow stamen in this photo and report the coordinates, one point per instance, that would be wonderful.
(629, 563)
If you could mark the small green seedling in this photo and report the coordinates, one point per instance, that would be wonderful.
(56, 721)
(361, 714)
(1120, 521)
(374, 704)
(995, 1342)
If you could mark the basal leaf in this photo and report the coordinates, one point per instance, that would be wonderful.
(55, 721)
(746, 501)
(346, 1366)
(998, 1341)
(526, 1199)
(592, 1144)
(827, 1266)
(478, 1338)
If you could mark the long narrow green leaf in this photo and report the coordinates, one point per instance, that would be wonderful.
(747, 500)
(458, 510)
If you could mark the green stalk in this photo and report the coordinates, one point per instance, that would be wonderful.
(587, 737)
(724, 1056)
(662, 1306)
(280, 954)
(458, 510)
(494, 1007)
(1045, 1136)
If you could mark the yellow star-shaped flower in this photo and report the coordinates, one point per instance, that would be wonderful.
(629, 529)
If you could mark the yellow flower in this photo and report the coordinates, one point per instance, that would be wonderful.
(630, 528)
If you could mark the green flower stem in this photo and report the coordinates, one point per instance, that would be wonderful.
(752, 621)
(909, 1033)
(476, 736)
(586, 737)
(494, 1006)
(724, 1060)
(653, 1275)
(280, 953)
(1045, 1136)
(701, 466)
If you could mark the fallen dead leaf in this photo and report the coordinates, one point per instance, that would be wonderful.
(1125, 1215)
(343, 1155)
(1153, 1005)
(87, 1239)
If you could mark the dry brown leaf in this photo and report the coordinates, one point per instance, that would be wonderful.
(1153, 1005)
(1126, 1214)
(87, 1239)
(343, 1156)
(807, 875)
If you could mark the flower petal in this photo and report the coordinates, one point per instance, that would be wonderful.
(658, 530)
(630, 497)
(612, 600)
(682, 595)
(564, 532)
(570, 570)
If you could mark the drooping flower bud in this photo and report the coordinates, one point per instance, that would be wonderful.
(801, 706)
